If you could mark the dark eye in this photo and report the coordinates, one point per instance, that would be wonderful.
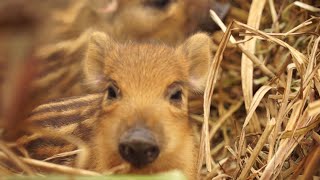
(176, 96)
(159, 3)
(113, 92)
(175, 93)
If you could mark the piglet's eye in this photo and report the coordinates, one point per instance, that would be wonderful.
(176, 96)
(158, 3)
(175, 93)
(113, 92)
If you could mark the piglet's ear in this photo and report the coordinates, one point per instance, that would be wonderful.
(99, 44)
(199, 55)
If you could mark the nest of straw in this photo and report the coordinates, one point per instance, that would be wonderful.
(260, 118)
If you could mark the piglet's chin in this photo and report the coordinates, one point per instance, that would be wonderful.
(116, 165)
(123, 167)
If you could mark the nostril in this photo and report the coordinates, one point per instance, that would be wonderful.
(125, 150)
(152, 153)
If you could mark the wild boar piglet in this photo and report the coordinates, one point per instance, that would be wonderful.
(139, 114)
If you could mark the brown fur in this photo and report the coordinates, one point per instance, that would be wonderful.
(132, 19)
(146, 75)
(64, 38)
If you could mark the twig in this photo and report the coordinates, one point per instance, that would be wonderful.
(64, 154)
(11, 156)
(54, 167)
(257, 149)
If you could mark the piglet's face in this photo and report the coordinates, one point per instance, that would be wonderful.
(144, 116)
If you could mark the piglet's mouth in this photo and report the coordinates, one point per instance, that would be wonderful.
(126, 168)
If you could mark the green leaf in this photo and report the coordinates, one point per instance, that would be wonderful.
(176, 175)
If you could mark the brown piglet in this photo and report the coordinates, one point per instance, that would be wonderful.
(140, 114)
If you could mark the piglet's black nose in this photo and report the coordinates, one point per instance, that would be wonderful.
(139, 147)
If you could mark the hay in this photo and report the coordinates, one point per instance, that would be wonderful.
(273, 153)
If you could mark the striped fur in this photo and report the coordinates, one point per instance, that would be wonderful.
(74, 116)
(60, 62)
(60, 73)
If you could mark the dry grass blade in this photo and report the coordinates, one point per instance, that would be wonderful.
(274, 15)
(15, 159)
(223, 27)
(300, 131)
(316, 136)
(122, 168)
(313, 56)
(250, 55)
(257, 149)
(312, 163)
(222, 176)
(60, 155)
(223, 118)
(314, 108)
(211, 81)
(254, 20)
(54, 167)
(297, 120)
(299, 59)
(306, 6)
(296, 107)
(285, 149)
(304, 24)
(282, 109)
(255, 102)
(4, 171)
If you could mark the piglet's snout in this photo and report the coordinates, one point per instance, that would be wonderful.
(139, 147)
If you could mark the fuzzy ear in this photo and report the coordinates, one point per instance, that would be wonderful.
(198, 51)
(99, 44)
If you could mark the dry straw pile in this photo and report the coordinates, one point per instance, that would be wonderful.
(265, 109)
(261, 105)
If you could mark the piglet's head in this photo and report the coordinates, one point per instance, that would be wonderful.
(143, 117)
